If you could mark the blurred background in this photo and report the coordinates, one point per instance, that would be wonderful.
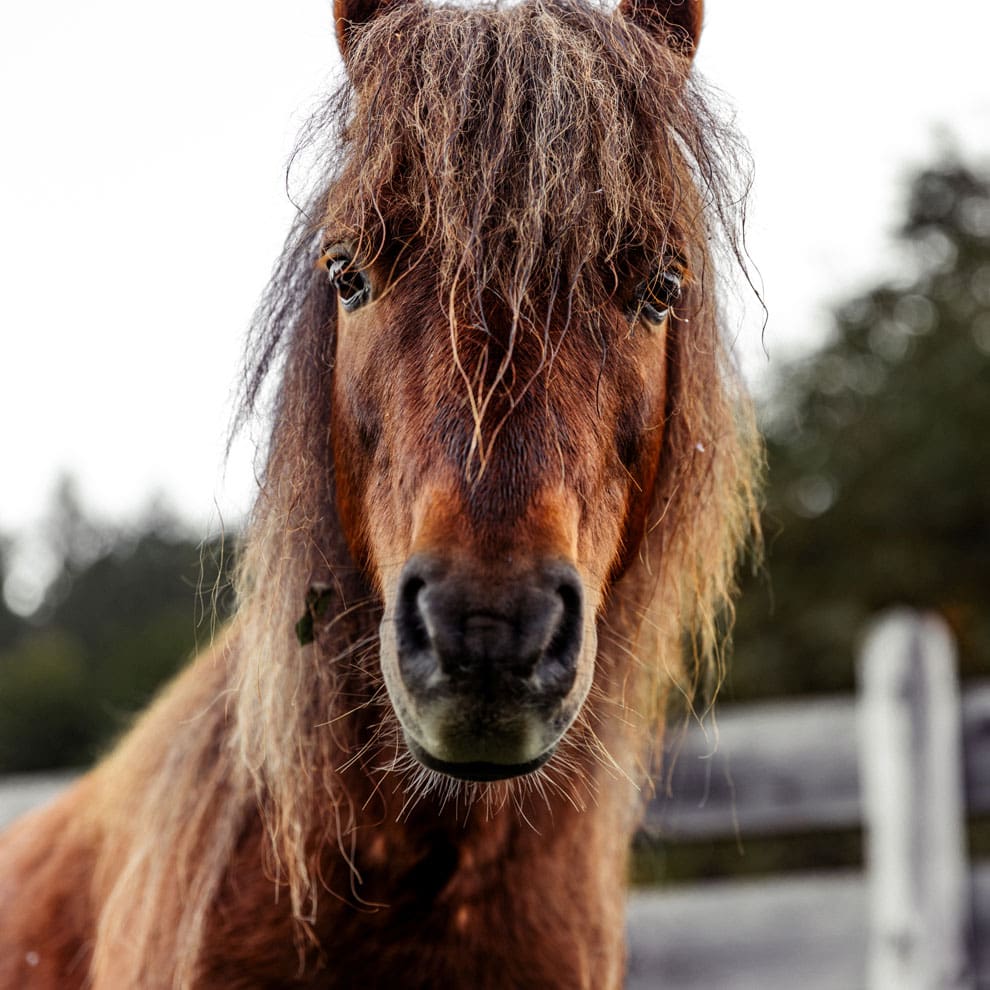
(144, 200)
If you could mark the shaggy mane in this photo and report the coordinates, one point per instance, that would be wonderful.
(534, 150)
(541, 155)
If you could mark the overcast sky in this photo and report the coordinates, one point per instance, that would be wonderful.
(142, 203)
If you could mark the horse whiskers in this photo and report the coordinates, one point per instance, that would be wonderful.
(376, 698)
(573, 777)
(380, 774)
(417, 783)
(607, 760)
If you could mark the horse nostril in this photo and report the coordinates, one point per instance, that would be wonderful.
(462, 634)
(569, 627)
(558, 664)
(413, 635)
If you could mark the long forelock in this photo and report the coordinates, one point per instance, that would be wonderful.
(527, 148)
(526, 151)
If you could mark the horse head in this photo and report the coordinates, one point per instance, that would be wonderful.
(505, 300)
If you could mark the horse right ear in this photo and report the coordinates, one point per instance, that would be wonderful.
(679, 20)
(349, 14)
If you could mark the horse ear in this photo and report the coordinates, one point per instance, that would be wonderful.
(349, 14)
(679, 20)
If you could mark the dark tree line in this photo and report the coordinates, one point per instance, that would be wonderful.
(124, 612)
(879, 460)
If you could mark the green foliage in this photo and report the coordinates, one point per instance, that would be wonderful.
(878, 454)
(122, 615)
(46, 719)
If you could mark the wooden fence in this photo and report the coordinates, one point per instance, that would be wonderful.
(905, 760)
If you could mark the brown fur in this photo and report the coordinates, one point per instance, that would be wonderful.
(506, 176)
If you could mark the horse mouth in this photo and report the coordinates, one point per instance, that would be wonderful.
(479, 771)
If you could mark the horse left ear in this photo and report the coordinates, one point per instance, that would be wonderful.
(349, 14)
(680, 20)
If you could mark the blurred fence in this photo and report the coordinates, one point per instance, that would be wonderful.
(906, 760)
(22, 792)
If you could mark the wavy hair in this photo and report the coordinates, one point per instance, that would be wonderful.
(533, 154)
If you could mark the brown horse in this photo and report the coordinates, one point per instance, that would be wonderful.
(509, 473)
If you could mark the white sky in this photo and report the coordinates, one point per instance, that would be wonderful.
(122, 326)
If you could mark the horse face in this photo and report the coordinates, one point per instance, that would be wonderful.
(492, 542)
(494, 466)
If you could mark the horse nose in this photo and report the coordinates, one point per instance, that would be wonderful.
(498, 638)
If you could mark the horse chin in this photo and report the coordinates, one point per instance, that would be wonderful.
(484, 747)
(481, 771)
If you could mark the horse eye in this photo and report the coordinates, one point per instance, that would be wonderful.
(352, 285)
(656, 296)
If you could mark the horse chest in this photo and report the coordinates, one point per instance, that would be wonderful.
(486, 912)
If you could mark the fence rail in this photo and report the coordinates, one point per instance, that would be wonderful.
(784, 767)
(810, 932)
(19, 793)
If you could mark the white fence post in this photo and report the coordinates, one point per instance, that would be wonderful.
(919, 888)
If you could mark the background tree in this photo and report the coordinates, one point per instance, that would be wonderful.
(10, 624)
(879, 460)
(124, 611)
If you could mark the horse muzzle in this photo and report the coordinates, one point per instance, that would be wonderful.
(485, 673)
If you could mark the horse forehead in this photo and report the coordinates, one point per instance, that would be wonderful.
(475, 344)
(505, 447)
